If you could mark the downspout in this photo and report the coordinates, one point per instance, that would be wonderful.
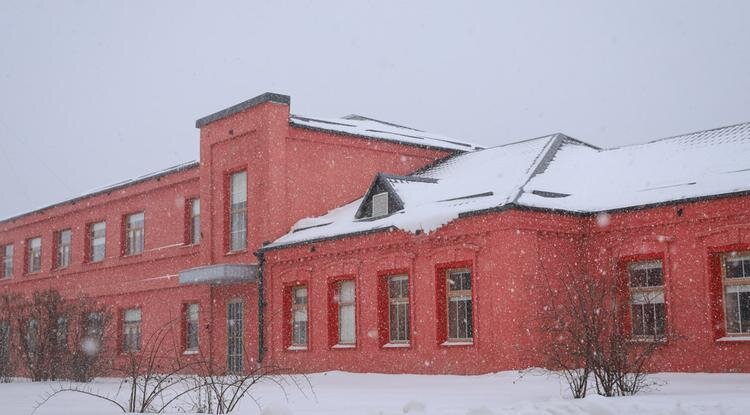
(261, 307)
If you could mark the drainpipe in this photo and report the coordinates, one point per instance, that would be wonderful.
(261, 305)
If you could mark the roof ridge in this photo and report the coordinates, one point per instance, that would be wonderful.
(541, 161)
(673, 137)
(362, 118)
(109, 188)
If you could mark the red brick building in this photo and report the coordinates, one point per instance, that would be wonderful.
(361, 245)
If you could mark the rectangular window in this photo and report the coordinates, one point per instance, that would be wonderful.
(194, 221)
(235, 340)
(347, 313)
(7, 252)
(34, 255)
(647, 309)
(380, 204)
(191, 326)
(61, 333)
(238, 211)
(134, 233)
(63, 241)
(131, 330)
(5, 347)
(460, 312)
(31, 337)
(398, 309)
(736, 282)
(97, 239)
(299, 316)
(94, 329)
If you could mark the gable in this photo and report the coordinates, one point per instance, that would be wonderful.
(378, 186)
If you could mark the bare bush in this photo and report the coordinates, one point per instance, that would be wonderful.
(8, 342)
(42, 322)
(584, 321)
(155, 380)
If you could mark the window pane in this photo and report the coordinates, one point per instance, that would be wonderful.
(63, 248)
(732, 311)
(346, 292)
(97, 236)
(346, 324)
(299, 316)
(7, 260)
(34, 255)
(235, 341)
(132, 315)
(134, 234)
(191, 326)
(300, 295)
(638, 277)
(636, 311)
(655, 277)
(737, 266)
(744, 306)
(195, 221)
(660, 319)
(131, 336)
(239, 187)
(398, 308)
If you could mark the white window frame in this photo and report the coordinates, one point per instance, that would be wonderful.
(346, 306)
(737, 285)
(235, 335)
(237, 211)
(8, 260)
(194, 221)
(135, 233)
(400, 304)
(458, 296)
(96, 241)
(132, 319)
(34, 255)
(646, 295)
(300, 318)
(192, 327)
(63, 254)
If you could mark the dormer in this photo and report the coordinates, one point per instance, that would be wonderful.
(383, 199)
(380, 200)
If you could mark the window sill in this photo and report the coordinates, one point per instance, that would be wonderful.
(451, 343)
(297, 348)
(734, 339)
(238, 252)
(397, 345)
(190, 352)
(344, 346)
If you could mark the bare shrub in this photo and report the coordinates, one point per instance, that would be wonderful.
(8, 342)
(42, 323)
(88, 356)
(584, 320)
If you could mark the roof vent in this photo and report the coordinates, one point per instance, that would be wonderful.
(380, 205)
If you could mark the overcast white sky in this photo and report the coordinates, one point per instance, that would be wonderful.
(92, 93)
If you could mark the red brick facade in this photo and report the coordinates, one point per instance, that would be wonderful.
(295, 173)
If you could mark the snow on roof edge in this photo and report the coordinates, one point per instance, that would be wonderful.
(119, 185)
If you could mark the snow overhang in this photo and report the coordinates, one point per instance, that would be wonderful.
(220, 274)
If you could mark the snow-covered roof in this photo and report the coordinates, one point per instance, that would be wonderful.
(705, 163)
(553, 172)
(380, 130)
(109, 188)
(467, 182)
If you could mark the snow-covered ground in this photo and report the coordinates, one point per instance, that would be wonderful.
(338, 393)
